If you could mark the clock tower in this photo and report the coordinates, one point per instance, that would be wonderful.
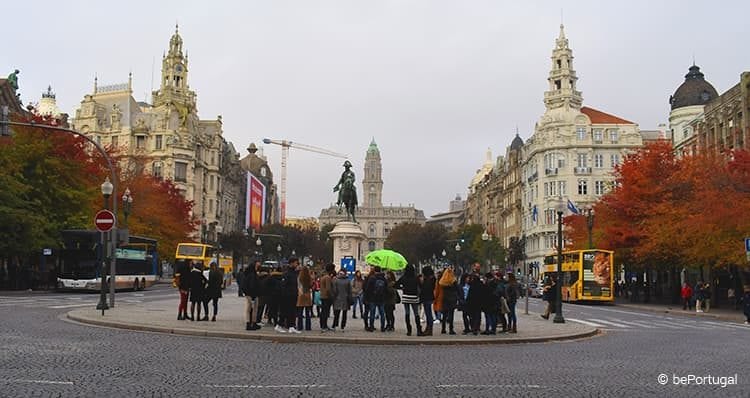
(373, 180)
(174, 73)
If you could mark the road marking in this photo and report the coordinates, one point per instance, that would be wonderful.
(261, 386)
(71, 305)
(633, 323)
(619, 325)
(69, 383)
(488, 386)
(596, 325)
(682, 325)
(731, 325)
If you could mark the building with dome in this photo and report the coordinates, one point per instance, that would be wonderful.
(375, 219)
(48, 104)
(571, 155)
(168, 140)
(686, 107)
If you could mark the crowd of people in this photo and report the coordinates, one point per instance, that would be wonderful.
(287, 298)
(198, 290)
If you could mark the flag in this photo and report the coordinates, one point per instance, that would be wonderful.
(534, 213)
(573, 209)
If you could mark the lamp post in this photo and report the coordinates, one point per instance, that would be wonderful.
(558, 311)
(107, 189)
(458, 250)
(259, 243)
(486, 238)
(589, 213)
(525, 273)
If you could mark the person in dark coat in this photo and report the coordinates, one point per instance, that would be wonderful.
(251, 290)
(273, 289)
(474, 301)
(239, 278)
(450, 298)
(341, 295)
(410, 297)
(182, 283)
(490, 303)
(198, 284)
(427, 296)
(392, 298)
(213, 293)
(263, 295)
(288, 303)
(375, 291)
(746, 304)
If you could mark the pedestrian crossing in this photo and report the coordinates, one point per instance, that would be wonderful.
(654, 323)
(58, 301)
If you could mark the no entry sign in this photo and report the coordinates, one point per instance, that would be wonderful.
(104, 220)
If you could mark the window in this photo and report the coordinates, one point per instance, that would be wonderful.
(561, 162)
(372, 230)
(371, 245)
(157, 170)
(210, 206)
(614, 136)
(581, 132)
(561, 188)
(211, 183)
(180, 171)
(598, 160)
(114, 140)
(559, 64)
(218, 183)
(213, 158)
(99, 139)
(140, 142)
(582, 187)
(199, 152)
(158, 142)
(582, 160)
(558, 84)
(546, 189)
(614, 159)
(387, 229)
(597, 136)
(549, 216)
(599, 188)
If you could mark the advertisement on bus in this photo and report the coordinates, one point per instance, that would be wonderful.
(597, 274)
(255, 211)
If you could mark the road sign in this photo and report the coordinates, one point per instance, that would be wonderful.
(104, 220)
(747, 245)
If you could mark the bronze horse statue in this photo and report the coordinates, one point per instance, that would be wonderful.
(347, 192)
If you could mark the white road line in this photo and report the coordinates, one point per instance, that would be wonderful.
(596, 325)
(619, 325)
(71, 305)
(488, 386)
(262, 386)
(633, 323)
(731, 325)
(69, 383)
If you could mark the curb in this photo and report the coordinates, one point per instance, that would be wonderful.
(279, 338)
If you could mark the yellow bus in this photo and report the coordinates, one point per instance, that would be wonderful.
(204, 254)
(587, 275)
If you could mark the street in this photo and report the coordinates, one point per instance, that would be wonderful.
(44, 355)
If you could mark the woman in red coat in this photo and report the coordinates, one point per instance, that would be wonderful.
(686, 293)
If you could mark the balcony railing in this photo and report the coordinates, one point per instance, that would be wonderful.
(582, 170)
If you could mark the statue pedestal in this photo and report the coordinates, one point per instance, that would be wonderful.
(347, 239)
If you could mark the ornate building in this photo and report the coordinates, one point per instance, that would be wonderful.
(375, 219)
(453, 219)
(571, 155)
(494, 199)
(725, 124)
(169, 140)
(687, 104)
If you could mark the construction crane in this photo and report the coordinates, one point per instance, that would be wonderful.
(285, 145)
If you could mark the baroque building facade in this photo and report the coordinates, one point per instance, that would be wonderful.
(686, 108)
(168, 140)
(725, 124)
(570, 156)
(375, 219)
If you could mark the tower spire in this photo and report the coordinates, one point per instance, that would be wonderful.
(562, 77)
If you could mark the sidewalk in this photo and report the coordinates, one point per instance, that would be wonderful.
(161, 316)
(676, 309)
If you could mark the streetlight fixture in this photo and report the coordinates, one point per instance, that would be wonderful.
(107, 188)
(278, 250)
(485, 238)
(458, 249)
(589, 213)
(560, 208)
(127, 201)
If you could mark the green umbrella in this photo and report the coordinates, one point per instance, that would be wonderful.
(386, 259)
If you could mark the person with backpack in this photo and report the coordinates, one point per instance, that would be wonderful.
(251, 291)
(410, 297)
(375, 292)
(427, 297)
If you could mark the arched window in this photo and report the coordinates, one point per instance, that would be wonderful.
(371, 245)
(372, 229)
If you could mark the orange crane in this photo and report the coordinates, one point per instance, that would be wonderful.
(285, 145)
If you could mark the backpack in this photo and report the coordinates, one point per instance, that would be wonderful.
(378, 291)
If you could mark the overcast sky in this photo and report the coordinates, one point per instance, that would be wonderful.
(435, 82)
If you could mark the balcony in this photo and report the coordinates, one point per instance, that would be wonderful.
(550, 171)
(582, 170)
(533, 177)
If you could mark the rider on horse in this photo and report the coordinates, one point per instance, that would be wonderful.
(347, 190)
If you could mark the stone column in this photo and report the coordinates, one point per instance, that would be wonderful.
(347, 239)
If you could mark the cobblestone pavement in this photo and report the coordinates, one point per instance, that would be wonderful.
(42, 355)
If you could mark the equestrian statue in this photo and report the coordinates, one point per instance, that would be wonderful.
(347, 192)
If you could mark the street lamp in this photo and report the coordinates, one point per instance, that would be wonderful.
(294, 253)
(485, 238)
(127, 201)
(278, 250)
(560, 208)
(458, 249)
(589, 213)
(107, 189)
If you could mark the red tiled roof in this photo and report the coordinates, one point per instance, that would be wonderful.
(599, 117)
